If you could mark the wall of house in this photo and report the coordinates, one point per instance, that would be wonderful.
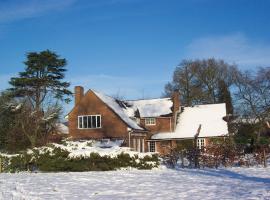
(163, 124)
(90, 104)
(164, 147)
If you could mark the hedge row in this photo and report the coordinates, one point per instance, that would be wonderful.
(57, 160)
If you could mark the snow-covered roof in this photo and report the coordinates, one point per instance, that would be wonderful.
(127, 110)
(119, 110)
(151, 107)
(209, 116)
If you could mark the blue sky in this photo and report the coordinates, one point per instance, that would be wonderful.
(131, 47)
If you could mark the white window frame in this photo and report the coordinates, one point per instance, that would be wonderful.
(150, 121)
(200, 143)
(87, 127)
(152, 148)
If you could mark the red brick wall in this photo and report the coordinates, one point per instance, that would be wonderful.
(163, 124)
(164, 147)
(90, 104)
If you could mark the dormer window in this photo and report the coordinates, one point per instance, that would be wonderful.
(150, 121)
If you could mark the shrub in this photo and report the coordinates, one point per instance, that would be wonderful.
(57, 159)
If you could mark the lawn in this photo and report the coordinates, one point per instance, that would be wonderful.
(229, 183)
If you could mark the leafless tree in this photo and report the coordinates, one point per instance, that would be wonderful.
(198, 80)
(253, 96)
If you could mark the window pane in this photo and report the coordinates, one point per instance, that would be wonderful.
(150, 121)
(94, 122)
(152, 146)
(98, 122)
(89, 122)
(80, 122)
(85, 122)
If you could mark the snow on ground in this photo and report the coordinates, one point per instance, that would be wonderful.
(192, 184)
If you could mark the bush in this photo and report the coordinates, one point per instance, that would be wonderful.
(57, 160)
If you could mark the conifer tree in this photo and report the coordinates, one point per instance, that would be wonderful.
(224, 96)
(43, 77)
(40, 88)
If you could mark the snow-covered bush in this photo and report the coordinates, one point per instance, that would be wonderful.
(79, 156)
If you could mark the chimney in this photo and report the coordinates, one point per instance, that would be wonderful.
(176, 101)
(176, 107)
(79, 93)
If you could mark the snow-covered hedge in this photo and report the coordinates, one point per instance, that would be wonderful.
(78, 156)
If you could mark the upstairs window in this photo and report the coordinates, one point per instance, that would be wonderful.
(200, 143)
(150, 121)
(89, 121)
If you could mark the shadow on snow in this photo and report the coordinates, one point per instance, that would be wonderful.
(226, 174)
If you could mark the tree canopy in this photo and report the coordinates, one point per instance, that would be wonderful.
(31, 106)
(199, 81)
(43, 77)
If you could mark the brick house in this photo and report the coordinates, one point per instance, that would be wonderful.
(143, 125)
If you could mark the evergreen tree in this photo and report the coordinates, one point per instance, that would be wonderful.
(5, 120)
(42, 78)
(39, 89)
(224, 96)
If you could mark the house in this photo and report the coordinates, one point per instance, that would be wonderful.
(148, 125)
(207, 121)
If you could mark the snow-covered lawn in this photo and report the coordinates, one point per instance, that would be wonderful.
(230, 183)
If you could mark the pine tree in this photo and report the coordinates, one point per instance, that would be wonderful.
(40, 87)
(43, 76)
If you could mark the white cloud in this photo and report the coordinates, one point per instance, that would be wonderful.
(14, 10)
(17, 9)
(234, 48)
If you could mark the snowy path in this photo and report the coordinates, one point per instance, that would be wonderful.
(236, 183)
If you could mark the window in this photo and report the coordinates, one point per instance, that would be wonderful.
(89, 121)
(150, 121)
(152, 146)
(142, 146)
(134, 144)
(200, 143)
(138, 145)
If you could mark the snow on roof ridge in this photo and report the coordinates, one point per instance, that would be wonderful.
(161, 98)
(147, 107)
(111, 102)
(208, 104)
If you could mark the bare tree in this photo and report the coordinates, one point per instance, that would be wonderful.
(253, 95)
(198, 81)
(252, 98)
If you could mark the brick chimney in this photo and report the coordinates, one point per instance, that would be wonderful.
(176, 107)
(176, 101)
(79, 93)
